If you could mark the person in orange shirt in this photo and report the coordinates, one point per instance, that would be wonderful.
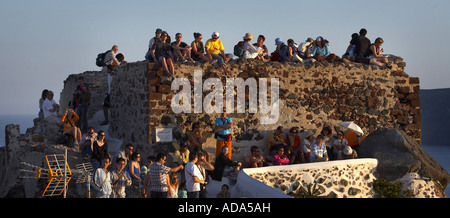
(353, 140)
(68, 120)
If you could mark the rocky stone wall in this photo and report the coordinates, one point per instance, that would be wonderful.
(334, 179)
(98, 87)
(312, 95)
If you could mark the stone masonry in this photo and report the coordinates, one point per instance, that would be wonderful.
(313, 96)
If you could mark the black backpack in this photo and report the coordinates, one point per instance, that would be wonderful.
(100, 61)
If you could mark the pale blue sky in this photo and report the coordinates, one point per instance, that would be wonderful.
(42, 42)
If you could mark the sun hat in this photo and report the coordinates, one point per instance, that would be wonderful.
(248, 36)
(278, 41)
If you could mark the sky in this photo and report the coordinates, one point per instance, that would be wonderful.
(43, 42)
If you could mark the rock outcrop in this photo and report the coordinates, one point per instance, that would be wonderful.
(398, 155)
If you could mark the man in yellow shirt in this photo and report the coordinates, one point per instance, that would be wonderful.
(215, 50)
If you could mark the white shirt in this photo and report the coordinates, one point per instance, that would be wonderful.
(302, 47)
(305, 146)
(101, 176)
(47, 106)
(251, 51)
(190, 171)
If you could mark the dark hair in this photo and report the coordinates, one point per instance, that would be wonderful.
(120, 159)
(120, 57)
(196, 124)
(225, 185)
(192, 156)
(134, 155)
(98, 135)
(254, 148)
(160, 156)
(44, 93)
(196, 35)
(151, 158)
(363, 32)
(262, 37)
(128, 145)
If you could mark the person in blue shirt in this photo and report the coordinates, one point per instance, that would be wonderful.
(320, 51)
(318, 150)
(222, 132)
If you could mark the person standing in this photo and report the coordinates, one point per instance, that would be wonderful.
(84, 102)
(120, 179)
(193, 177)
(110, 63)
(318, 150)
(222, 132)
(101, 181)
(158, 174)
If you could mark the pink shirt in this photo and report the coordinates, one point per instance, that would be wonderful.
(283, 159)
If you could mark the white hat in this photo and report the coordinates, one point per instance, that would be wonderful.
(215, 34)
(348, 150)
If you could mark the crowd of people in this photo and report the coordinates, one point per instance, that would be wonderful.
(162, 49)
(189, 173)
(192, 166)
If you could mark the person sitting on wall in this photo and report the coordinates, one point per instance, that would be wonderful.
(198, 50)
(349, 153)
(216, 51)
(254, 159)
(161, 51)
(50, 109)
(293, 144)
(152, 41)
(250, 51)
(320, 51)
(182, 155)
(221, 162)
(196, 140)
(260, 44)
(275, 140)
(318, 151)
(280, 158)
(181, 50)
(68, 120)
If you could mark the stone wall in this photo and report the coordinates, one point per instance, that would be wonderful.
(313, 96)
(334, 179)
(98, 86)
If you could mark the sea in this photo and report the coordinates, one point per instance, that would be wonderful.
(439, 152)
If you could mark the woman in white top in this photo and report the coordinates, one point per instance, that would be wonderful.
(173, 187)
(306, 147)
(250, 51)
(339, 145)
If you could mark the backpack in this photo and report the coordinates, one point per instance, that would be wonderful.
(239, 49)
(65, 139)
(100, 60)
